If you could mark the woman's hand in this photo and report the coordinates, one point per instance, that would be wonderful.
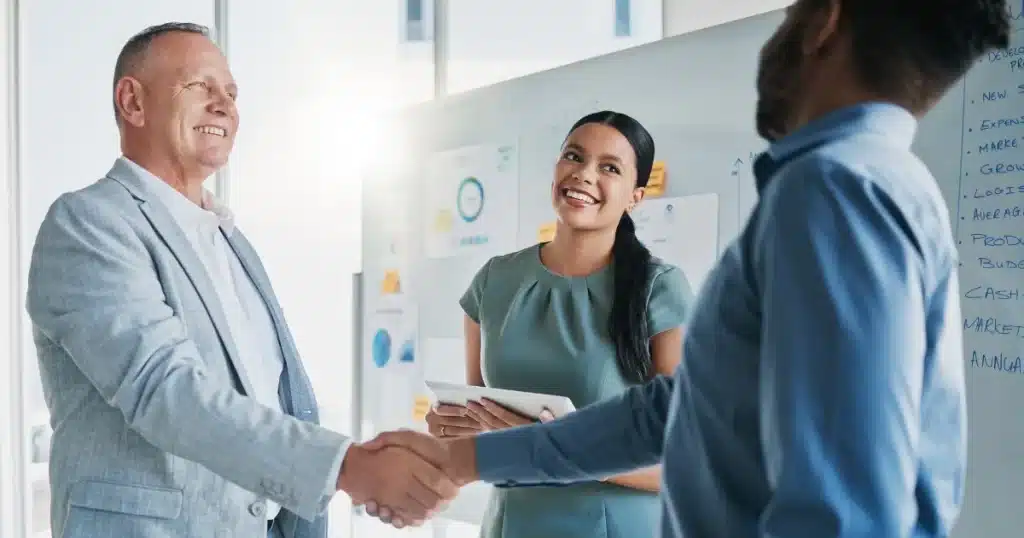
(444, 420)
(492, 416)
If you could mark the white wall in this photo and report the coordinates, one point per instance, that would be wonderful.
(11, 479)
(313, 78)
(489, 42)
(682, 16)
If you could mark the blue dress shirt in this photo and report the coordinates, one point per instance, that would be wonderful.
(822, 387)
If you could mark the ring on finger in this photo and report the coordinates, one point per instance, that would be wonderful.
(442, 430)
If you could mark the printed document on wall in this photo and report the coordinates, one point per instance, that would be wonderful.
(472, 201)
(682, 231)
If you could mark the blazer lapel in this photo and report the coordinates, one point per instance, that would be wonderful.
(175, 239)
(297, 391)
(169, 230)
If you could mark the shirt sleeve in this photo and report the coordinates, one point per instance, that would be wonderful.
(473, 298)
(331, 487)
(670, 301)
(604, 439)
(842, 355)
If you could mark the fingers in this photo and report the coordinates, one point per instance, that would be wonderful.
(384, 440)
(546, 416)
(452, 425)
(447, 410)
(385, 515)
(506, 416)
(425, 446)
(424, 500)
(484, 417)
(495, 416)
(397, 438)
(444, 430)
(437, 482)
(423, 493)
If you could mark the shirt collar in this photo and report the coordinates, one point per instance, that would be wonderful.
(212, 213)
(892, 122)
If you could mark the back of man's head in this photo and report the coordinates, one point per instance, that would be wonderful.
(133, 53)
(915, 50)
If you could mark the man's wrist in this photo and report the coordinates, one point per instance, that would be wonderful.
(331, 480)
(462, 451)
(354, 457)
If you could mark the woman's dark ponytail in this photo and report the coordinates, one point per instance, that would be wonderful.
(631, 261)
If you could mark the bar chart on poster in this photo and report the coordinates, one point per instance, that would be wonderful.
(478, 183)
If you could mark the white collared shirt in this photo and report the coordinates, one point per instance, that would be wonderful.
(249, 322)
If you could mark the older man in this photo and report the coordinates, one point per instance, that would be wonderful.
(179, 402)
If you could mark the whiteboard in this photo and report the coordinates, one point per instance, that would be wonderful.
(695, 93)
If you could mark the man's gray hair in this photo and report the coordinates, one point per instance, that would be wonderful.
(134, 51)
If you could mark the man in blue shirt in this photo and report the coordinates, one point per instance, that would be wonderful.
(822, 390)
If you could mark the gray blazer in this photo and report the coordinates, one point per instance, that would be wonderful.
(153, 434)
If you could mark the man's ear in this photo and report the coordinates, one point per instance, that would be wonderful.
(822, 25)
(128, 96)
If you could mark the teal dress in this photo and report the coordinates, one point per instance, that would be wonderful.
(542, 332)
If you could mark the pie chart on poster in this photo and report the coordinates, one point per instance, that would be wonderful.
(381, 349)
(470, 199)
(408, 353)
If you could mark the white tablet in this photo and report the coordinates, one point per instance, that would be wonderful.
(529, 404)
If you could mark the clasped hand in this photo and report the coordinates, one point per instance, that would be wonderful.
(452, 449)
(410, 473)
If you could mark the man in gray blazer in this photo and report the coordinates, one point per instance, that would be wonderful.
(179, 404)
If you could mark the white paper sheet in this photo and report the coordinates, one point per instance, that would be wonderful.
(472, 201)
(682, 231)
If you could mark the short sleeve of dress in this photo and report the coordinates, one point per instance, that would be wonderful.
(670, 302)
(472, 300)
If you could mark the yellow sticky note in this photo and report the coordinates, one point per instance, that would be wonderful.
(443, 221)
(420, 407)
(546, 232)
(392, 283)
(656, 184)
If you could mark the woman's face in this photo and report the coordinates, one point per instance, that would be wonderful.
(595, 178)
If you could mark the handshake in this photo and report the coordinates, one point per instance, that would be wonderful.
(405, 477)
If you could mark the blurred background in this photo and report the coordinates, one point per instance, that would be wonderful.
(317, 78)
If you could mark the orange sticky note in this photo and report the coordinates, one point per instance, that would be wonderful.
(391, 283)
(546, 232)
(420, 407)
(443, 221)
(656, 184)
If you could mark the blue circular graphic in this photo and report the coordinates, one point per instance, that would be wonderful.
(381, 347)
(464, 200)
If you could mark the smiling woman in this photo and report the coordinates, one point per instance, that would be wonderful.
(584, 316)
